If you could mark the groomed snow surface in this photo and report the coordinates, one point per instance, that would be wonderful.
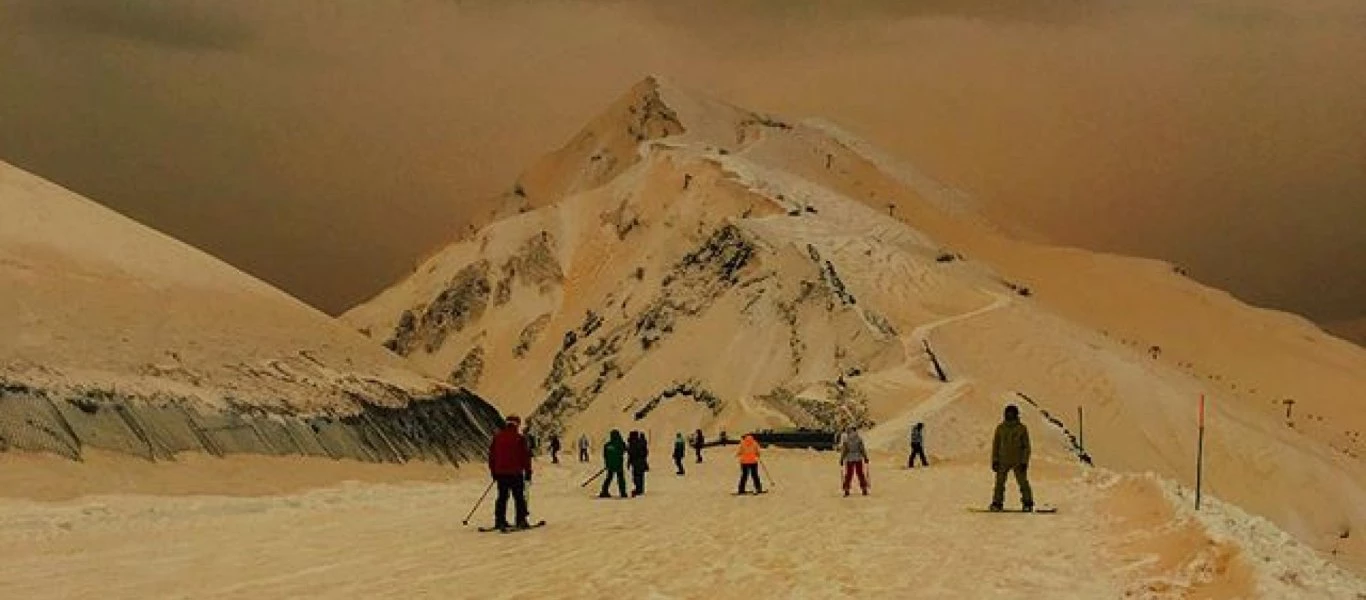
(688, 537)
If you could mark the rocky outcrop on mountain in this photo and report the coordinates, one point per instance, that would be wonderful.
(452, 427)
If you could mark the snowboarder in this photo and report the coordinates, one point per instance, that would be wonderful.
(918, 446)
(854, 458)
(583, 447)
(697, 442)
(637, 454)
(510, 467)
(680, 450)
(1010, 454)
(555, 448)
(748, 454)
(614, 462)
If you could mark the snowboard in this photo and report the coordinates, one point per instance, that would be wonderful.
(1043, 510)
(512, 529)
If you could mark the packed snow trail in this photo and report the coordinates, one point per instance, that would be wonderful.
(687, 537)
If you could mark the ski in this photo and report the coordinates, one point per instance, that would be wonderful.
(511, 529)
(749, 493)
(1043, 510)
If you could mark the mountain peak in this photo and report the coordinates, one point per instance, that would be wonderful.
(652, 109)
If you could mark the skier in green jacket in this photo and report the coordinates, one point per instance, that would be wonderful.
(614, 462)
(1010, 454)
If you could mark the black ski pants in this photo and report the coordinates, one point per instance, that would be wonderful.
(917, 450)
(510, 485)
(618, 474)
(748, 472)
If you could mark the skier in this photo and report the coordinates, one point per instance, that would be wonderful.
(637, 454)
(510, 467)
(583, 447)
(1010, 454)
(613, 461)
(854, 458)
(555, 448)
(680, 450)
(749, 463)
(697, 441)
(918, 446)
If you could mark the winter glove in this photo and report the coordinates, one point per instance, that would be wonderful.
(528, 476)
(996, 467)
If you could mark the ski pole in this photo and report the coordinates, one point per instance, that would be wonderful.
(771, 482)
(590, 479)
(476, 504)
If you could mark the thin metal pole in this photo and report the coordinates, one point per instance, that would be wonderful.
(1081, 430)
(1200, 454)
(476, 504)
(763, 466)
(590, 479)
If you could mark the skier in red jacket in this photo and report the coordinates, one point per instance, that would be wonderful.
(510, 467)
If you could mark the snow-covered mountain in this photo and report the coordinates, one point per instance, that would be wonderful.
(684, 263)
(115, 337)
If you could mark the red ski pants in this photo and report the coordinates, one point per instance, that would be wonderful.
(850, 469)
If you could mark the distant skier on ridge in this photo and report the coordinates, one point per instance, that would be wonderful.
(1010, 454)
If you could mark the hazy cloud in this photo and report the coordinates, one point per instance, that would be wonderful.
(185, 24)
(340, 140)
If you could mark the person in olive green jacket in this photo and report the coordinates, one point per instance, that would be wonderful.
(614, 462)
(1010, 454)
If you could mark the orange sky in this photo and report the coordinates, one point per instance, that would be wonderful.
(324, 145)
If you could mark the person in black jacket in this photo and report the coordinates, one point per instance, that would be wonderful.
(1010, 454)
(697, 441)
(637, 456)
(680, 451)
(555, 448)
(614, 464)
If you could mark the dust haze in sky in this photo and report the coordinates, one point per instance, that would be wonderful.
(325, 145)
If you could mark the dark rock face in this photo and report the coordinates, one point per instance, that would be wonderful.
(529, 335)
(596, 353)
(844, 409)
(690, 389)
(470, 370)
(652, 118)
(454, 427)
(462, 302)
(535, 264)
